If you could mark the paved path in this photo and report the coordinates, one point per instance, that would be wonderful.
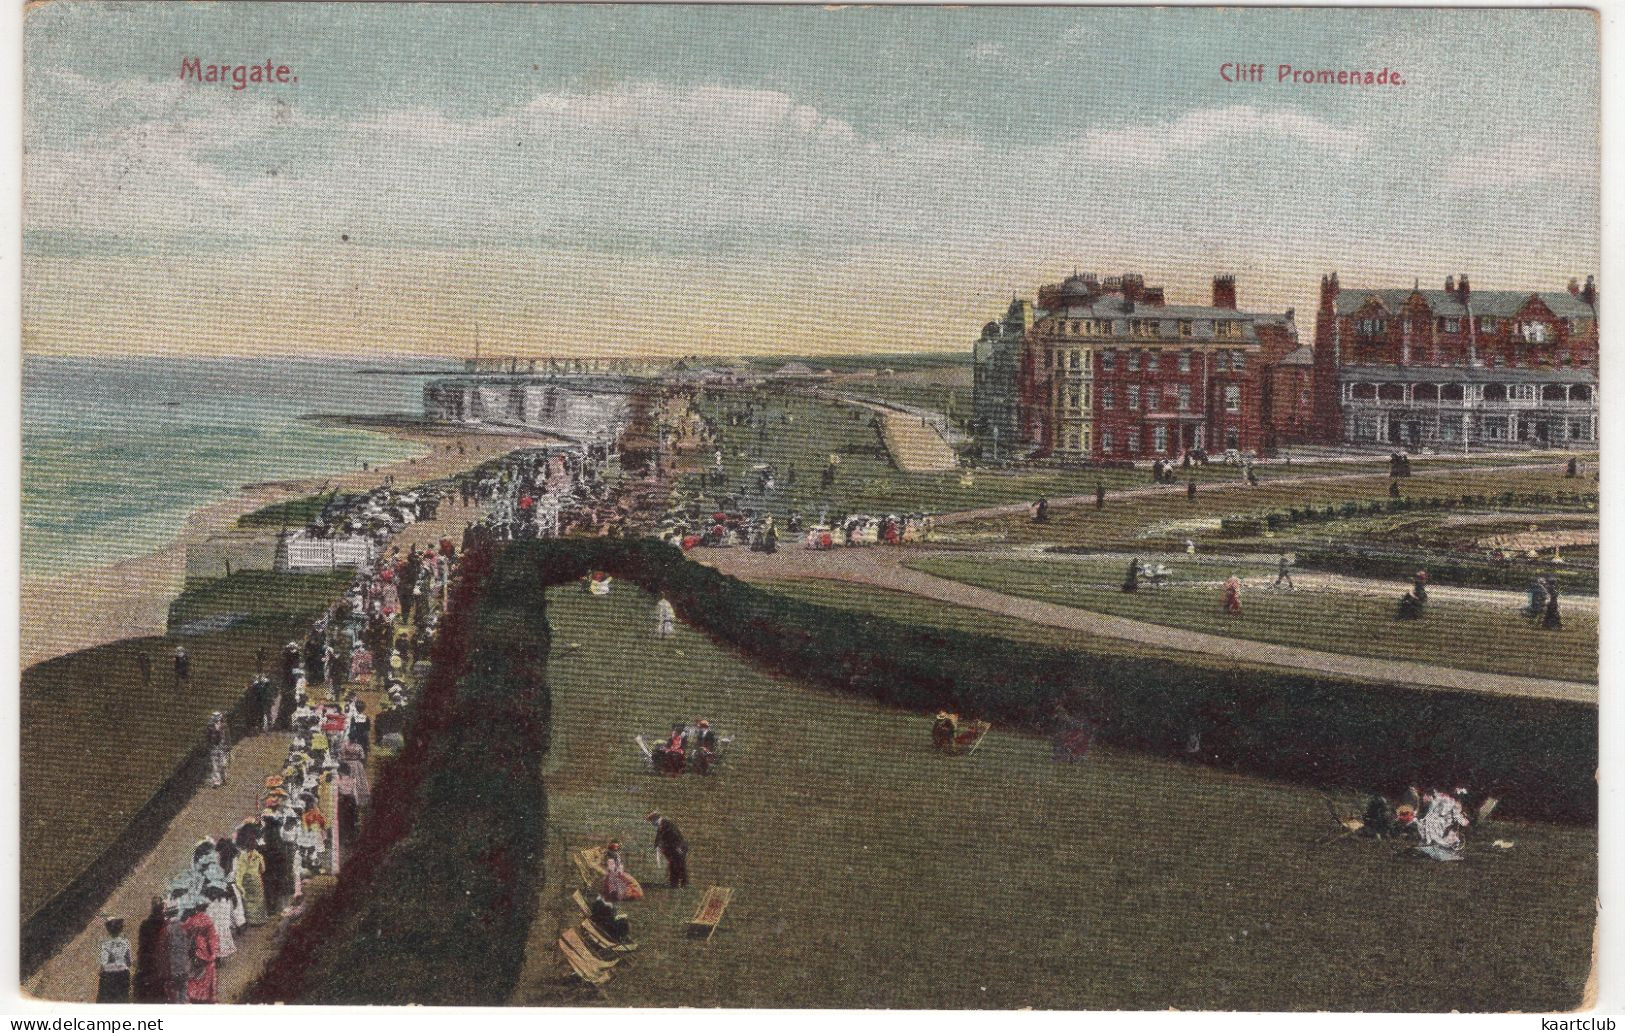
(881, 567)
(70, 975)
(1218, 567)
(1268, 479)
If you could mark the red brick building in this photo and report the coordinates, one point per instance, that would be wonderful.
(1456, 367)
(1108, 370)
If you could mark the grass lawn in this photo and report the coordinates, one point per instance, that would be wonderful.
(97, 743)
(871, 872)
(867, 482)
(1474, 638)
(294, 513)
(1171, 518)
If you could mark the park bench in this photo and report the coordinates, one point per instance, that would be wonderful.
(709, 914)
(593, 933)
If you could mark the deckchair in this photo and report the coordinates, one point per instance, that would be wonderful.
(1347, 824)
(593, 933)
(571, 940)
(587, 970)
(709, 914)
(589, 862)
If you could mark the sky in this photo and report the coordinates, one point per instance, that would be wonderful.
(606, 180)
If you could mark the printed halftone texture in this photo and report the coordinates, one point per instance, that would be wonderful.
(205, 268)
(617, 180)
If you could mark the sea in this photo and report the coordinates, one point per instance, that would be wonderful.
(119, 451)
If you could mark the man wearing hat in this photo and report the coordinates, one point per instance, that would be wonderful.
(670, 847)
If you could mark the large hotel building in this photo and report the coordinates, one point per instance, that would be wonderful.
(1457, 368)
(1105, 370)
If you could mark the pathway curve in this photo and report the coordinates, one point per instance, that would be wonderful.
(1268, 480)
(881, 567)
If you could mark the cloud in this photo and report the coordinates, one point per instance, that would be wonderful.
(1519, 163)
(1208, 129)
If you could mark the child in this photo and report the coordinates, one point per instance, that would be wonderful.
(114, 986)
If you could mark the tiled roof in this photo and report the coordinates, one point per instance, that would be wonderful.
(1482, 303)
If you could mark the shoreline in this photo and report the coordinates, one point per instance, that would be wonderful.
(129, 598)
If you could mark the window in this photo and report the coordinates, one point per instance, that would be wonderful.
(1072, 398)
(1105, 441)
(1075, 358)
(1134, 361)
(1486, 324)
(1449, 326)
(1153, 328)
(1159, 438)
(1184, 397)
(1076, 327)
(1232, 438)
(1223, 360)
(1108, 359)
(1133, 441)
(1108, 398)
(1521, 392)
(1185, 327)
(1153, 360)
(1228, 328)
(1232, 398)
(1134, 396)
(1049, 359)
(1153, 398)
(1184, 362)
(1238, 361)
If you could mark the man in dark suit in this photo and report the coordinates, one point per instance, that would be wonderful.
(672, 848)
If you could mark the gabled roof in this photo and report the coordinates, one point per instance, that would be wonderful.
(1500, 304)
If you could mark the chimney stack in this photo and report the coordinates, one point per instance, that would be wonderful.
(1224, 291)
(1574, 286)
(1328, 291)
(1589, 293)
(1450, 285)
(1463, 291)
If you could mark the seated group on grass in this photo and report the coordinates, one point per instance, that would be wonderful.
(696, 747)
(1433, 820)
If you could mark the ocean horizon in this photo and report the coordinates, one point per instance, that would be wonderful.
(119, 451)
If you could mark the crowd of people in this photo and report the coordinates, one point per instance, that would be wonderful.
(310, 809)
(545, 492)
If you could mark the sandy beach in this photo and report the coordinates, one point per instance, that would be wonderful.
(130, 598)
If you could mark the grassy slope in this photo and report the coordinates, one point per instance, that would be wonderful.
(1452, 634)
(871, 872)
(1157, 517)
(866, 481)
(99, 743)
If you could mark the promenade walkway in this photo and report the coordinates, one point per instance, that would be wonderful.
(880, 567)
(70, 975)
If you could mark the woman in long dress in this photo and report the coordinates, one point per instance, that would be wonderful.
(1232, 596)
(618, 882)
(201, 983)
(250, 872)
(151, 957)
